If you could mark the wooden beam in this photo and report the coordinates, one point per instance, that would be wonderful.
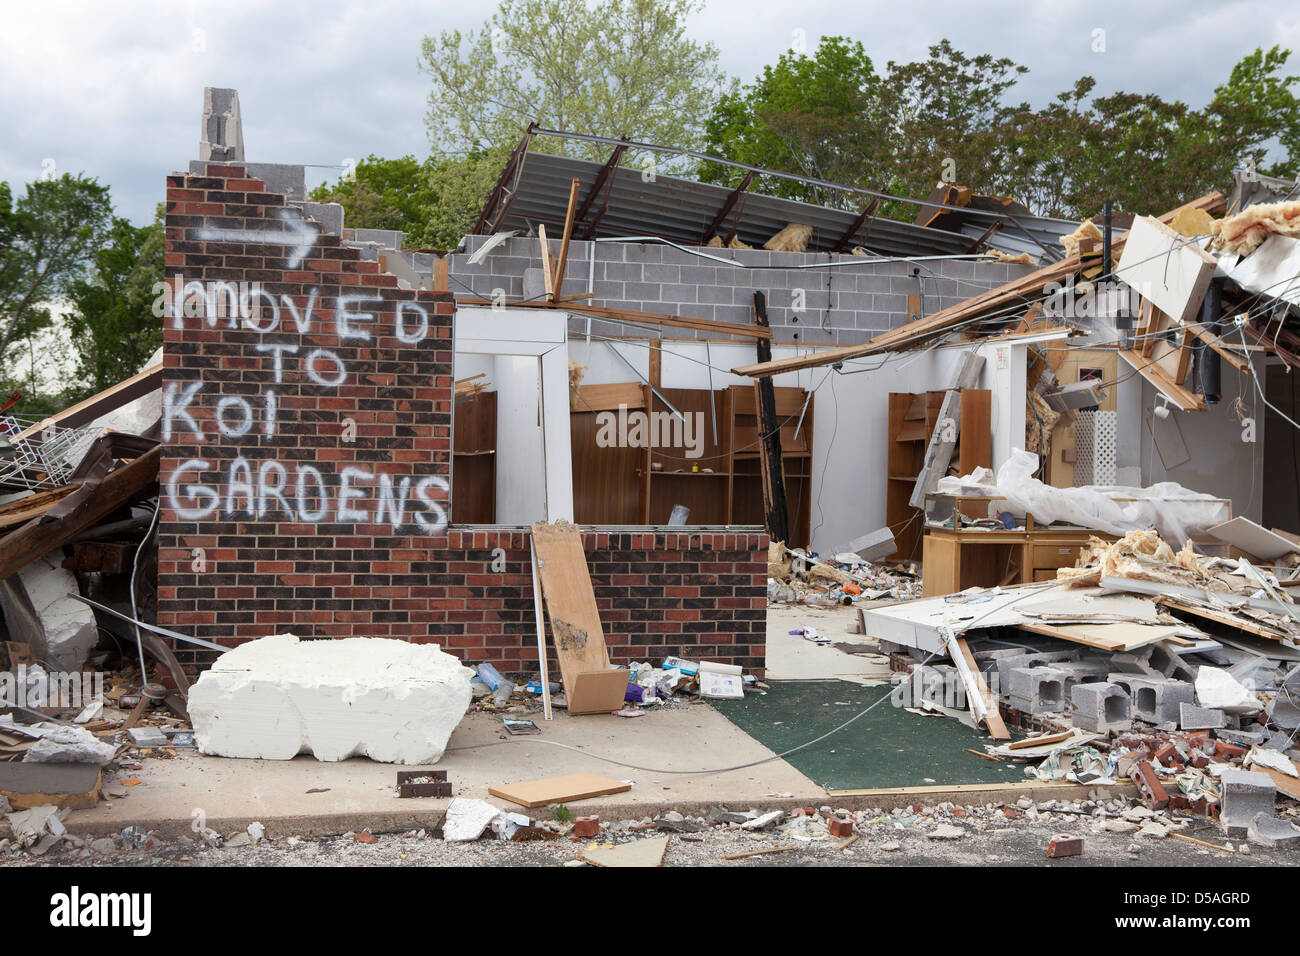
(992, 716)
(656, 363)
(441, 274)
(1024, 290)
(1187, 400)
(38, 536)
(547, 276)
(775, 508)
(564, 240)
(87, 410)
(642, 318)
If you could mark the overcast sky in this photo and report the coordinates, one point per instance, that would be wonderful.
(115, 90)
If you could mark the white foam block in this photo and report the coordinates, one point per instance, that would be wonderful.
(276, 697)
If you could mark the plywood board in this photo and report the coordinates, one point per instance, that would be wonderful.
(1107, 637)
(575, 621)
(566, 789)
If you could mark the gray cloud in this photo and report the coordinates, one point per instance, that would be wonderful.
(117, 92)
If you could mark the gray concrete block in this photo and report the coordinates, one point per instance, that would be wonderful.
(1156, 699)
(328, 214)
(1042, 688)
(1168, 663)
(1267, 830)
(1243, 795)
(1030, 659)
(1191, 717)
(1101, 707)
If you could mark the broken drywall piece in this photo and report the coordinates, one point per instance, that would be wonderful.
(69, 745)
(39, 612)
(1258, 757)
(638, 853)
(1252, 538)
(277, 697)
(875, 546)
(1216, 689)
(467, 819)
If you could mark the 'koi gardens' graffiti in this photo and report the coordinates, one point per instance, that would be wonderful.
(270, 489)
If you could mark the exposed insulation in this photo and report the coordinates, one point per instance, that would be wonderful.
(1244, 232)
(1143, 555)
(1024, 259)
(735, 243)
(1040, 419)
(793, 238)
(1191, 221)
(1087, 230)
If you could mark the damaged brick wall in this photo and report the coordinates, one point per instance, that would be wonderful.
(304, 484)
(307, 442)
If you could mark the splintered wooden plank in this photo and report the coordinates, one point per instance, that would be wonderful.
(566, 789)
(992, 717)
(575, 621)
(1185, 399)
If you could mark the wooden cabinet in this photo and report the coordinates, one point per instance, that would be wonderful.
(913, 418)
(473, 471)
(708, 462)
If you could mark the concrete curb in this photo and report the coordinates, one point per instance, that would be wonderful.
(430, 814)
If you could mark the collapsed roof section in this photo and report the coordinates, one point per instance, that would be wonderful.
(618, 201)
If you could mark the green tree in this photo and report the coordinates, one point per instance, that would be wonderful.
(112, 326)
(949, 118)
(47, 241)
(805, 114)
(382, 194)
(620, 68)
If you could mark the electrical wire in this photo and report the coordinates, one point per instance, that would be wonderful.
(783, 754)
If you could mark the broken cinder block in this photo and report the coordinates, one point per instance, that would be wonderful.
(1101, 707)
(1267, 830)
(1191, 717)
(1244, 794)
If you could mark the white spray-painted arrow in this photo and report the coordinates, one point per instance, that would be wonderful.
(300, 235)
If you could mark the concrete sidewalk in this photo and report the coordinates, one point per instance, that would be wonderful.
(231, 793)
(177, 796)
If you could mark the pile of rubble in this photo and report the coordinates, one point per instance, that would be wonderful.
(1172, 670)
(796, 576)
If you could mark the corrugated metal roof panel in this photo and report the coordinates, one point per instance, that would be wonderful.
(680, 210)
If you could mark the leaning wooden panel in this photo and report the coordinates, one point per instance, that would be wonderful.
(575, 621)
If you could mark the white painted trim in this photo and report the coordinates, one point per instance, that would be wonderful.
(544, 335)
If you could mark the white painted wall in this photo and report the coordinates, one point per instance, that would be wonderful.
(521, 457)
(1220, 463)
(850, 425)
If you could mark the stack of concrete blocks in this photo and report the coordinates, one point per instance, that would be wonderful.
(1101, 707)
(1247, 798)
(848, 305)
(1156, 699)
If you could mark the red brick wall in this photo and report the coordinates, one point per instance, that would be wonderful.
(248, 546)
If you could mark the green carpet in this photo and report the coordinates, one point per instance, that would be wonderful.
(889, 747)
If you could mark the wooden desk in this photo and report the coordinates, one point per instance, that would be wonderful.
(972, 557)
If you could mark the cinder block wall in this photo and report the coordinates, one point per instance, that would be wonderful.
(841, 305)
(328, 392)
